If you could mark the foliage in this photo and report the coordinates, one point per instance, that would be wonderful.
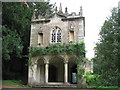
(57, 48)
(11, 44)
(16, 24)
(77, 48)
(81, 72)
(91, 79)
(107, 60)
(17, 18)
(109, 87)
(42, 7)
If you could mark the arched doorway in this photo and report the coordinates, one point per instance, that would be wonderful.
(72, 71)
(40, 72)
(52, 73)
(56, 70)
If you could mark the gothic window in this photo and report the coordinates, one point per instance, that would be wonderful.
(59, 36)
(56, 35)
(53, 36)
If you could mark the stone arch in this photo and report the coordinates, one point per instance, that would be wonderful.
(72, 58)
(56, 69)
(57, 56)
(72, 70)
(39, 58)
(40, 74)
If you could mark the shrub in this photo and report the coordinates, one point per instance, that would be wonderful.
(92, 79)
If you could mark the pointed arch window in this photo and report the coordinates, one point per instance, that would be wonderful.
(59, 36)
(53, 36)
(56, 35)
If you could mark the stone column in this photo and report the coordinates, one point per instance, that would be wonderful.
(66, 72)
(46, 70)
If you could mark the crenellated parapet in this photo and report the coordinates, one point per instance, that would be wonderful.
(64, 15)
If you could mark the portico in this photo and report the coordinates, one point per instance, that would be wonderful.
(57, 69)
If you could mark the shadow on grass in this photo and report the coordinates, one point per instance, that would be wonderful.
(18, 83)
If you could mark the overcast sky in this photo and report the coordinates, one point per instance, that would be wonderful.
(95, 13)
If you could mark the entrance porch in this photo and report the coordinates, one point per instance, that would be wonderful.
(54, 71)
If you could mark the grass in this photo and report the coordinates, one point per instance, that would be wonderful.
(14, 83)
(107, 87)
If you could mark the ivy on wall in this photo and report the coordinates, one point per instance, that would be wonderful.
(77, 48)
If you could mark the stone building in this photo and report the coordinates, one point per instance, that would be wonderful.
(61, 28)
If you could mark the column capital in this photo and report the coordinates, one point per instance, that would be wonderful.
(46, 61)
(65, 61)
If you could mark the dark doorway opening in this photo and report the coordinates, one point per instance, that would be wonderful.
(72, 73)
(52, 73)
(56, 70)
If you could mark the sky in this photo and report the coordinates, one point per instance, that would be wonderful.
(95, 13)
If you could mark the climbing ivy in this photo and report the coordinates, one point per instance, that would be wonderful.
(77, 48)
(81, 71)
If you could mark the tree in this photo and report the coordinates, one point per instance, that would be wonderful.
(106, 61)
(16, 26)
(42, 8)
(12, 49)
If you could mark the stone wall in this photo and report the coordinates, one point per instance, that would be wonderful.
(76, 25)
(89, 67)
(67, 23)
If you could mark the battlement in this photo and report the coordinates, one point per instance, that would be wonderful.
(60, 13)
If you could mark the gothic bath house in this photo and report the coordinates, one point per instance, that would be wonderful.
(62, 28)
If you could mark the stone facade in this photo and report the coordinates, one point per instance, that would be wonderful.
(66, 24)
(60, 28)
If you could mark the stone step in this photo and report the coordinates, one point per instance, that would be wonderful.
(58, 86)
(61, 87)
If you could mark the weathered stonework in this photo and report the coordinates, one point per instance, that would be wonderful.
(66, 24)
(55, 68)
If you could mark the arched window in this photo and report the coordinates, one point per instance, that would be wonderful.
(56, 35)
(53, 36)
(59, 36)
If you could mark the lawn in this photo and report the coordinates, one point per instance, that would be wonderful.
(14, 84)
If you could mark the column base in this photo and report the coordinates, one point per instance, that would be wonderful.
(66, 83)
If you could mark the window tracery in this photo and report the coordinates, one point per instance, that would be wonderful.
(56, 35)
(53, 36)
(59, 36)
